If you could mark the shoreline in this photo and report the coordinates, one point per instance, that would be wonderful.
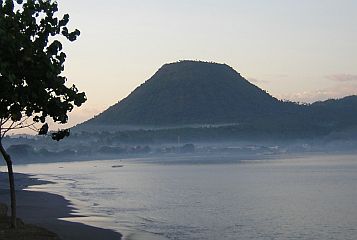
(45, 210)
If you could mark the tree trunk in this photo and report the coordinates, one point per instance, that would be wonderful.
(8, 161)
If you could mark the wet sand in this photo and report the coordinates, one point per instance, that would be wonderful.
(45, 209)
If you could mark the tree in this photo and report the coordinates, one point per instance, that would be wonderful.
(32, 87)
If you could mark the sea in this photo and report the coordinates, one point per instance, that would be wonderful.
(211, 196)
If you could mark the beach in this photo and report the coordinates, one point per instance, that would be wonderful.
(46, 209)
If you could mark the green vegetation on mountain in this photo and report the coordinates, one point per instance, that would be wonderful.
(191, 93)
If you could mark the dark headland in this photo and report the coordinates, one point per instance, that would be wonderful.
(44, 210)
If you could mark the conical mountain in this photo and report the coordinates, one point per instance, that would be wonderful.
(191, 92)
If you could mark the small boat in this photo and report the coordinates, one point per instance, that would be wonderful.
(117, 166)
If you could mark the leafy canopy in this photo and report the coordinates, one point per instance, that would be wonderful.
(31, 62)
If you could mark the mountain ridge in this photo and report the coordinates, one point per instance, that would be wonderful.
(197, 93)
(178, 93)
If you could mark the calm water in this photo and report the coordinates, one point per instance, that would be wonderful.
(297, 198)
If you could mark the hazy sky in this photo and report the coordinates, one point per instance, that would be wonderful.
(302, 50)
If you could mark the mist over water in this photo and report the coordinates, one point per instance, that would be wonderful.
(182, 198)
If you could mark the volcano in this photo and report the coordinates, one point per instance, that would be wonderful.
(188, 93)
(191, 92)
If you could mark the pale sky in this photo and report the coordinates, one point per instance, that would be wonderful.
(302, 50)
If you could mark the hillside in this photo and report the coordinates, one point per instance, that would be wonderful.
(190, 92)
(334, 113)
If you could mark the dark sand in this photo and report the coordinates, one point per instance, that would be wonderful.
(44, 209)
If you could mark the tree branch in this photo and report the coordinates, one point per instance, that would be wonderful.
(4, 121)
(1, 129)
(21, 122)
(5, 130)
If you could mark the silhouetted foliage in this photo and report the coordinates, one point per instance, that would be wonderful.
(43, 129)
(32, 61)
(60, 134)
(32, 87)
